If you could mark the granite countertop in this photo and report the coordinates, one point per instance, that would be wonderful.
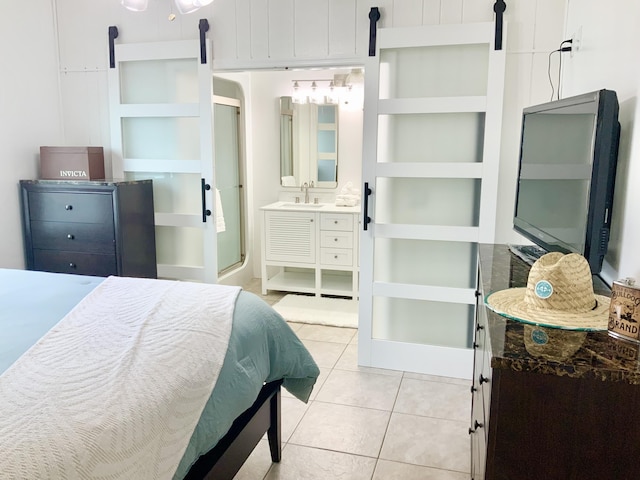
(311, 207)
(594, 355)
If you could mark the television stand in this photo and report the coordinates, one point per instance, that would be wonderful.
(554, 410)
(528, 253)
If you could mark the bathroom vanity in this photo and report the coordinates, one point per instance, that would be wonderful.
(310, 248)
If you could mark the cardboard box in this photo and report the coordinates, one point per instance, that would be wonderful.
(72, 163)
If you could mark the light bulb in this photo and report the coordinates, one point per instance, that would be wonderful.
(135, 5)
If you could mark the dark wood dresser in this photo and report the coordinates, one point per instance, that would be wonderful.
(564, 409)
(96, 228)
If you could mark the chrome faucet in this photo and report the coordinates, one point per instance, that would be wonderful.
(305, 188)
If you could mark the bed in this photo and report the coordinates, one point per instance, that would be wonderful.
(262, 354)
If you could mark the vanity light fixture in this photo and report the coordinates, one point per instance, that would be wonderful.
(184, 6)
(328, 90)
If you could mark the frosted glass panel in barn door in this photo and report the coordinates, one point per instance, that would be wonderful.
(433, 106)
(161, 111)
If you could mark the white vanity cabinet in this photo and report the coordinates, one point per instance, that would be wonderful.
(310, 249)
(290, 237)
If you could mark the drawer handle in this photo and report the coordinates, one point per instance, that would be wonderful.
(475, 345)
(70, 236)
(479, 327)
(335, 256)
(483, 379)
(335, 222)
(68, 207)
(335, 239)
(72, 265)
(473, 389)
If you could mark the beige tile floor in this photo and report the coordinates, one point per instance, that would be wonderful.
(366, 423)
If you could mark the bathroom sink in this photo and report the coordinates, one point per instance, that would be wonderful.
(303, 205)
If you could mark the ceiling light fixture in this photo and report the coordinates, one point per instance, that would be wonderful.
(184, 6)
(135, 5)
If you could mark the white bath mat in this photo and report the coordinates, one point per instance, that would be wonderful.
(336, 312)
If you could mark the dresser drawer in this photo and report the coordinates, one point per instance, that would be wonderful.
(71, 262)
(336, 239)
(336, 256)
(70, 207)
(336, 221)
(75, 237)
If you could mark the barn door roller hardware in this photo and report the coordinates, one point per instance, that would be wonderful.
(499, 7)
(203, 25)
(374, 16)
(113, 34)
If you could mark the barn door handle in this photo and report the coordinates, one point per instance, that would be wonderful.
(367, 191)
(205, 211)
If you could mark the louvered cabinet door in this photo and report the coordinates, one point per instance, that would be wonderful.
(289, 252)
(290, 237)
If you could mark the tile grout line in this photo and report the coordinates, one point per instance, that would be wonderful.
(386, 430)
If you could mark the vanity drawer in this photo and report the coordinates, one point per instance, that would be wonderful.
(75, 237)
(70, 207)
(336, 221)
(336, 256)
(72, 262)
(336, 239)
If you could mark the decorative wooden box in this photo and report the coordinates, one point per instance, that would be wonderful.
(72, 163)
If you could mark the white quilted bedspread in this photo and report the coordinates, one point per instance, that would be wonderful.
(116, 388)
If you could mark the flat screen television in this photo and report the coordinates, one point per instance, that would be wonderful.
(566, 175)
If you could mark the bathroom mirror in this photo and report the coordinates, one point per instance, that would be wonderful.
(308, 144)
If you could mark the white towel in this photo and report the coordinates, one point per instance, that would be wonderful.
(347, 200)
(289, 181)
(349, 189)
(220, 226)
(348, 196)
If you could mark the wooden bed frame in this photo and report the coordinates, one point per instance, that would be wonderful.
(230, 453)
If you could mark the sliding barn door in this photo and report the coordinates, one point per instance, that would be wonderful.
(161, 110)
(433, 107)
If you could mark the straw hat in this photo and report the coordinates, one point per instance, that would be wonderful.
(559, 294)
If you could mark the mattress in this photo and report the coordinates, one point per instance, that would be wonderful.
(262, 347)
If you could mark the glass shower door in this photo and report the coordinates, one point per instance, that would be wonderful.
(230, 231)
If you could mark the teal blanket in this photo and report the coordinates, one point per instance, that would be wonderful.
(262, 347)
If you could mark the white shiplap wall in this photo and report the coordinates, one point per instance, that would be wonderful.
(258, 34)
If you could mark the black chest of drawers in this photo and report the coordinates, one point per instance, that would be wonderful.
(564, 408)
(96, 228)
